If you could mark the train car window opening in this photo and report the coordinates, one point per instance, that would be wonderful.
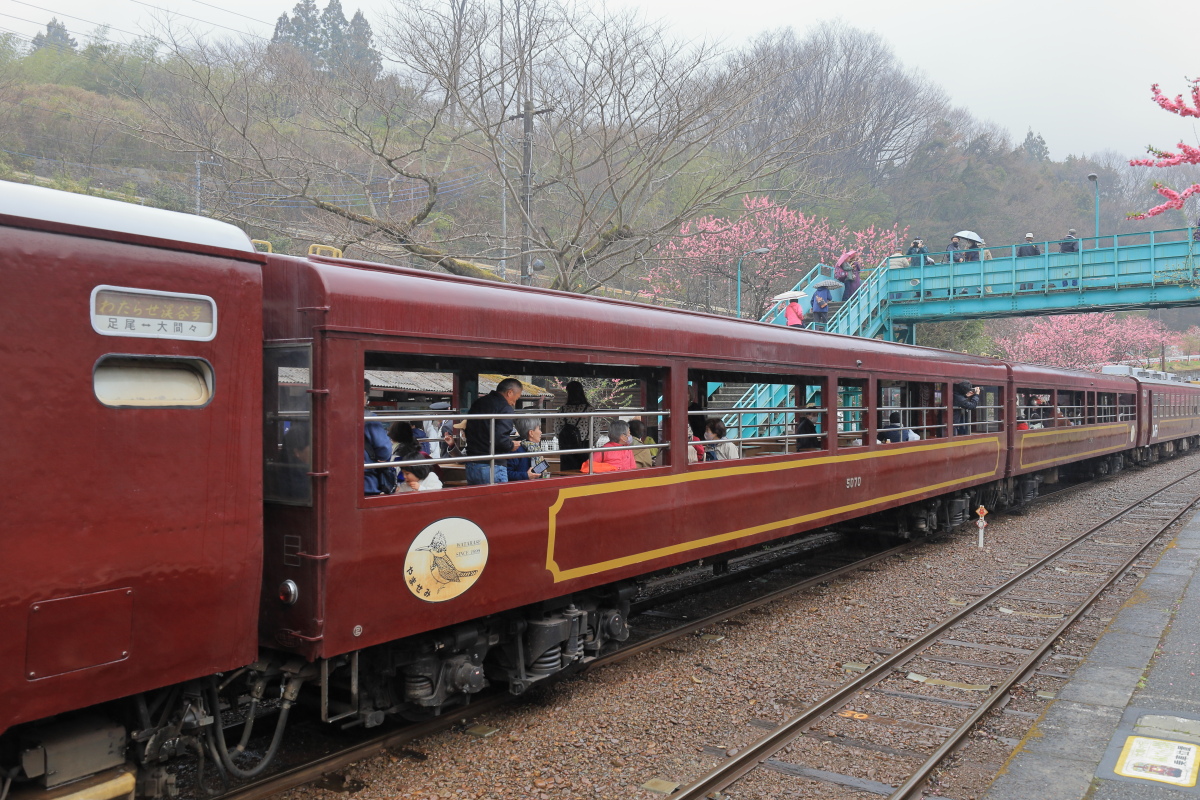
(287, 425)
(1126, 407)
(138, 381)
(988, 416)
(852, 413)
(1106, 407)
(405, 390)
(759, 414)
(918, 406)
(1070, 408)
(1034, 407)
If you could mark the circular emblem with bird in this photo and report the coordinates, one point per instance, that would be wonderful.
(445, 559)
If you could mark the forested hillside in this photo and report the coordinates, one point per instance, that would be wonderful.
(571, 146)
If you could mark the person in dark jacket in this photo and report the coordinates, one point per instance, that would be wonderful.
(954, 250)
(966, 398)
(807, 437)
(1070, 244)
(917, 254)
(376, 448)
(480, 441)
(971, 253)
(1029, 248)
(820, 305)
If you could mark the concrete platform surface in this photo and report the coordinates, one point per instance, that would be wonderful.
(1126, 726)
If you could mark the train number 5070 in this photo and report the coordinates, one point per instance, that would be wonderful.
(853, 483)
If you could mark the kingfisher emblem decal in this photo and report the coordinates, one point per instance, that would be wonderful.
(445, 559)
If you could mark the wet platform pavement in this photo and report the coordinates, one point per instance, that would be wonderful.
(1127, 724)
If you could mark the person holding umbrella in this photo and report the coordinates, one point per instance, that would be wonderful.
(821, 300)
(848, 270)
(793, 315)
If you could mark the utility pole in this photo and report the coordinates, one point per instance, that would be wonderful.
(199, 207)
(526, 189)
(526, 116)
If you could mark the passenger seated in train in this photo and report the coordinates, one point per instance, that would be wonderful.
(416, 477)
(614, 460)
(531, 467)
(1059, 419)
(378, 480)
(637, 431)
(893, 432)
(714, 432)
(401, 434)
(807, 437)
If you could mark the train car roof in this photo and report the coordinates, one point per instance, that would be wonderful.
(386, 300)
(64, 208)
(1034, 374)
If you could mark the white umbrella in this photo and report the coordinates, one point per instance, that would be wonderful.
(972, 235)
(828, 283)
(792, 295)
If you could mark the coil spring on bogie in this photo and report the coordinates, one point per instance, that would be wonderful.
(416, 686)
(547, 662)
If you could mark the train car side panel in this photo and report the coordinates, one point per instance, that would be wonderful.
(132, 521)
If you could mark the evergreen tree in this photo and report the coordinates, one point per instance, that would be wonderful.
(360, 53)
(334, 28)
(302, 31)
(56, 36)
(326, 39)
(1035, 147)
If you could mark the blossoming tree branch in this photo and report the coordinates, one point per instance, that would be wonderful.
(1165, 158)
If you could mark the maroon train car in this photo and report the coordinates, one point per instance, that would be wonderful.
(552, 561)
(1067, 416)
(131, 346)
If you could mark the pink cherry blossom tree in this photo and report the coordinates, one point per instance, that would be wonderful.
(700, 266)
(1165, 158)
(1078, 341)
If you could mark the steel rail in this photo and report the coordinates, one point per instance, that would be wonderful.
(770, 743)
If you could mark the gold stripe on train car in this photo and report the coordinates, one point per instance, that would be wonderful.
(1064, 433)
(748, 469)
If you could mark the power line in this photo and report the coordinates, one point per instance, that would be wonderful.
(227, 11)
(68, 16)
(197, 19)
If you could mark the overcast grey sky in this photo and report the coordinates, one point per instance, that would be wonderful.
(1078, 72)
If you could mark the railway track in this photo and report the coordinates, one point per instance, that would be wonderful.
(1082, 568)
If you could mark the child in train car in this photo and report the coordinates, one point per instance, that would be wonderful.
(415, 477)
